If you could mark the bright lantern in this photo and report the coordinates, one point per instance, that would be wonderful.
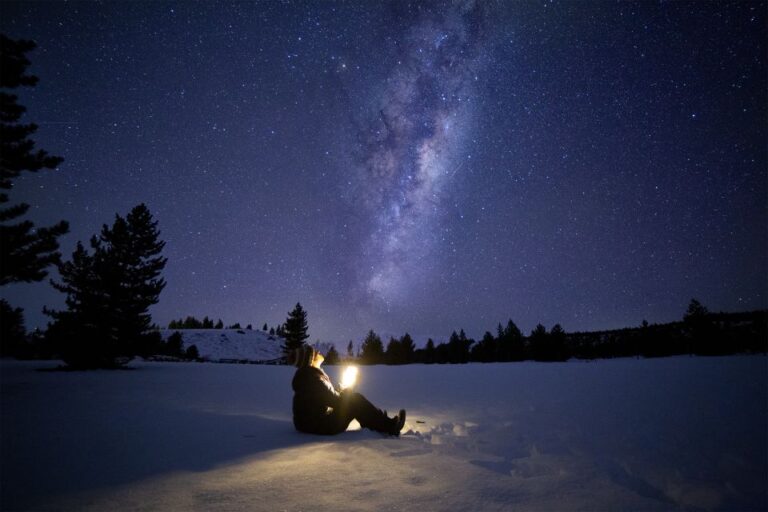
(349, 377)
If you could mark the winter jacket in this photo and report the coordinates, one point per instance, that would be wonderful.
(315, 402)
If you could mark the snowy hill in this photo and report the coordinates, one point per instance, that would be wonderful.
(682, 433)
(230, 345)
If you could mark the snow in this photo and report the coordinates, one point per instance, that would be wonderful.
(230, 344)
(675, 433)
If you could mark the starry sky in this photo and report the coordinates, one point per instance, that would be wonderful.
(418, 167)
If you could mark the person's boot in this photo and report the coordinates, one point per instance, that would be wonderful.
(398, 422)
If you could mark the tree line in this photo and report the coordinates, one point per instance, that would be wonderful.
(699, 333)
(190, 322)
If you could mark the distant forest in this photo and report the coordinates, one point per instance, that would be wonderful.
(191, 322)
(700, 333)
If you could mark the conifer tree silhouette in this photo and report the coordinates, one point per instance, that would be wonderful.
(109, 292)
(25, 251)
(372, 349)
(295, 329)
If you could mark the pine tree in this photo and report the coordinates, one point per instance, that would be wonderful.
(25, 251)
(458, 347)
(109, 292)
(392, 354)
(134, 266)
(332, 357)
(295, 331)
(429, 352)
(192, 323)
(558, 344)
(81, 332)
(372, 349)
(701, 331)
(485, 351)
(696, 311)
(219, 324)
(350, 350)
(511, 344)
(538, 342)
(264, 328)
(400, 351)
(174, 346)
(12, 331)
(408, 348)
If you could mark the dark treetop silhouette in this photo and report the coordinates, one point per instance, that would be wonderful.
(26, 251)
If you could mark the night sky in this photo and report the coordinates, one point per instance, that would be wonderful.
(411, 167)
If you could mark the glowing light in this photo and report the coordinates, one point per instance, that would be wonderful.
(349, 377)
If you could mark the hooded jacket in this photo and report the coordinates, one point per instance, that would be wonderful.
(314, 402)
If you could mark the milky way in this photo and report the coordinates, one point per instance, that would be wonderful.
(413, 146)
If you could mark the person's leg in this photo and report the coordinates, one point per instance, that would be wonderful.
(336, 423)
(356, 406)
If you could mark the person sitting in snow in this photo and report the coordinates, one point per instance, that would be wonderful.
(318, 408)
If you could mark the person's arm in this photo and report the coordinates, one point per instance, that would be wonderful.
(324, 391)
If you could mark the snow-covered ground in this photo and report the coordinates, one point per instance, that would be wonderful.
(678, 433)
(229, 344)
